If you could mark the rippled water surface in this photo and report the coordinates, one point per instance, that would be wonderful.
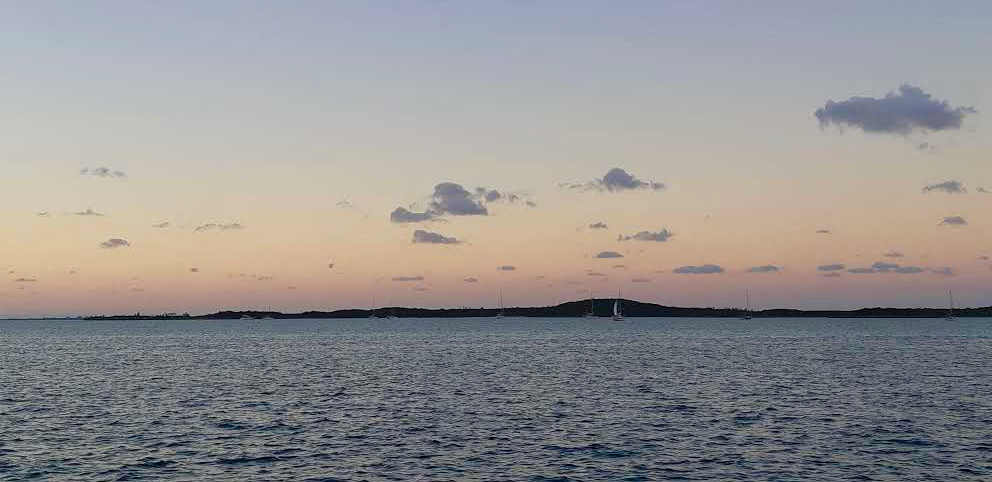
(514, 399)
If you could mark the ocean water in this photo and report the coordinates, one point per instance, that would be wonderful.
(486, 399)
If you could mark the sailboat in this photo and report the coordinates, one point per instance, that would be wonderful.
(592, 308)
(500, 313)
(950, 306)
(617, 312)
(747, 311)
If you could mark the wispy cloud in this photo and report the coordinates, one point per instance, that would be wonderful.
(982, 190)
(768, 268)
(102, 172)
(909, 110)
(162, 225)
(427, 237)
(114, 243)
(218, 227)
(25, 280)
(594, 273)
(403, 279)
(823, 231)
(950, 187)
(608, 255)
(506, 267)
(640, 280)
(830, 267)
(43, 214)
(659, 237)
(471, 279)
(598, 225)
(616, 180)
(194, 270)
(701, 269)
(893, 254)
(954, 221)
(944, 270)
(88, 212)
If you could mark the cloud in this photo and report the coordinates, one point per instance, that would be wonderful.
(43, 214)
(897, 113)
(619, 266)
(608, 254)
(861, 270)
(218, 227)
(114, 243)
(402, 279)
(262, 278)
(403, 215)
(830, 267)
(830, 275)
(944, 270)
(953, 221)
(982, 190)
(330, 265)
(823, 231)
(893, 254)
(194, 270)
(539, 277)
(594, 273)
(598, 225)
(451, 198)
(102, 172)
(88, 212)
(427, 237)
(471, 280)
(768, 268)
(616, 180)
(982, 258)
(162, 225)
(702, 269)
(883, 267)
(25, 280)
(506, 267)
(420, 288)
(640, 280)
(950, 187)
(344, 204)
(659, 237)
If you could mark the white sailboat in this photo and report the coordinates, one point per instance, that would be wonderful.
(499, 314)
(747, 310)
(617, 312)
(592, 308)
(950, 306)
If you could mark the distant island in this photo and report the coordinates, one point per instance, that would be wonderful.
(572, 309)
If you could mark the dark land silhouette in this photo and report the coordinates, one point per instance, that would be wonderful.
(573, 309)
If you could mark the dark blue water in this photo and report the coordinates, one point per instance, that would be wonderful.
(515, 399)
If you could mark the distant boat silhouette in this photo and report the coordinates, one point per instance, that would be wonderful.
(499, 314)
(617, 312)
(592, 308)
(950, 306)
(747, 310)
(372, 315)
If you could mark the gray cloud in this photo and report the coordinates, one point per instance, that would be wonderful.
(883, 267)
(43, 214)
(421, 288)
(114, 243)
(608, 254)
(897, 113)
(88, 212)
(408, 278)
(982, 190)
(427, 237)
(768, 268)
(616, 180)
(619, 266)
(954, 221)
(330, 265)
(218, 227)
(950, 187)
(702, 269)
(830, 275)
(102, 172)
(830, 267)
(162, 225)
(194, 270)
(506, 267)
(982, 258)
(861, 270)
(25, 280)
(640, 280)
(944, 270)
(598, 225)
(823, 231)
(451, 198)
(660, 236)
(471, 280)
(893, 254)
(594, 273)
(403, 215)
(344, 204)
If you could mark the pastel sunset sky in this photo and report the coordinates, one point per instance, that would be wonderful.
(297, 155)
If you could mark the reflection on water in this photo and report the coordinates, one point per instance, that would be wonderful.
(514, 399)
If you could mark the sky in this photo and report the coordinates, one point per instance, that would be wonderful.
(315, 155)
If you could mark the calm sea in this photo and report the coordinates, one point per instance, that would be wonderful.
(486, 399)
